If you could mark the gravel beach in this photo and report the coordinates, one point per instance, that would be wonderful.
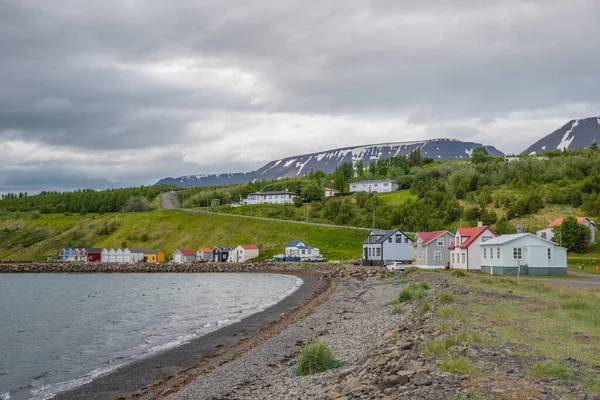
(352, 322)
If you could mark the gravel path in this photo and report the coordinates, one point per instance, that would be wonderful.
(352, 322)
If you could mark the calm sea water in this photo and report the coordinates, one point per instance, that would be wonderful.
(59, 331)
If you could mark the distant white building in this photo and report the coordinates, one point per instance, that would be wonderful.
(329, 192)
(375, 186)
(297, 250)
(184, 256)
(532, 254)
(547, 233)
(281, 197)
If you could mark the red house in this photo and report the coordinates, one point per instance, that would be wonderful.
(91, 254)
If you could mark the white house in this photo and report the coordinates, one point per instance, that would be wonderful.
(378, 186)
(111, 255)
(386, 245)
(547, 233)
(430, 249)
(465, 252)
(104, 256)
(243, 253)
(204, 254)
(184, 256)
(297, 250)
(532, 254)
(136, 255)
(281, 197)
(119, 255)
(329, 192)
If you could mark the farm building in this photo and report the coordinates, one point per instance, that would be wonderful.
(184, 255)
(243, 253)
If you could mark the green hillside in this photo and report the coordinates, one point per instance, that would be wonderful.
(35, 237)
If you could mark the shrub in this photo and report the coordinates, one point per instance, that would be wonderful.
(316, 357)
(446, 297)
(136, 204)
(414, 291)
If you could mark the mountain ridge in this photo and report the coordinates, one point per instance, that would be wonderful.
(575, 134)
(328, 160)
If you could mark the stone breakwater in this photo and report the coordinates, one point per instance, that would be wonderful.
(55, 267)
(330, 271)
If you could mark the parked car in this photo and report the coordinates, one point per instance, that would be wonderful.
(279, 257)
(316, 259)
(354, 262)
(395, 266)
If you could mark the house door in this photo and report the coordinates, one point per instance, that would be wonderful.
(366, 251)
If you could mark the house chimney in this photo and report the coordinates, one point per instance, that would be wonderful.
(479, 224)
(520, 228)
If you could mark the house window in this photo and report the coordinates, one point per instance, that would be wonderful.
(406, 240)
(378, 251)
(498, 253)
(549, 253)
(437, 256)
(390, 239)
(491, 253)
(452, 258)
(463, 258)
(484, 253)
(517, 253)
(440, 241)
(369, 252)
(485, 238)
(309, 251)
(386, 184)
(398, 238)
(303, 251)
(375, 185)
(372, 239)
(544, 235)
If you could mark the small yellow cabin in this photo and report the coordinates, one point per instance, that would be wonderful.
(154, 256)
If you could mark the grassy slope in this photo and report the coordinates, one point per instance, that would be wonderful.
(396, 198)
(167, 231)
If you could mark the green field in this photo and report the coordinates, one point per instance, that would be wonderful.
(25, 237)
(397, 197)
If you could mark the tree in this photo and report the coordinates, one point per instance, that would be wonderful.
(360, 170)
(480, 155)
(572, 235)
(297, 201)
(312, 192)
(414, 158)
(136, 204)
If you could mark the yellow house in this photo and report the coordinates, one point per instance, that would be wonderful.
(154, 256)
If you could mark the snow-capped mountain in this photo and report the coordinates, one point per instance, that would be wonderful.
(327, 161)
(576, 134)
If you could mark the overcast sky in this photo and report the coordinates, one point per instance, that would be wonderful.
(106, 93)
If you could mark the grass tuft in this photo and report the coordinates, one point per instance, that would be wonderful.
(424, 308)
(459, 365)
(458, 273)
(577, 305)
(396, 309)
(446, 297)
(414, 291)
(316, 357)
(552, 369)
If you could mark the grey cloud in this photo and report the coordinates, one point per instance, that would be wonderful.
(72, 73)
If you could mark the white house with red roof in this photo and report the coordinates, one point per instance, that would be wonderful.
(329, 192)
(184, 256)
(548, 233)
(465, 252)
(243, 253)
(430, 249)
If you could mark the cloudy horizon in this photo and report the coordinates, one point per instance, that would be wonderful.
(117, 93)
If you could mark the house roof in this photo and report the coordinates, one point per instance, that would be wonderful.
(305, 247)
(223, 248)
(205, 250)
(385, 234)
(274, 193)
(372, 181)
(428, 237)
(248, 247)
(471, 234)
(186, 252)
(509, 238)
(293, 243)
(137, 250)
(559, 221)
(92, 250)
(330, 189)
(152, 251)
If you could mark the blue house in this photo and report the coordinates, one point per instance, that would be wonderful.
(62, 255)
(297, 250)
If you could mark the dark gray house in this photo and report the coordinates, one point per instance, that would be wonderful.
(221, 253)
(382, 246)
